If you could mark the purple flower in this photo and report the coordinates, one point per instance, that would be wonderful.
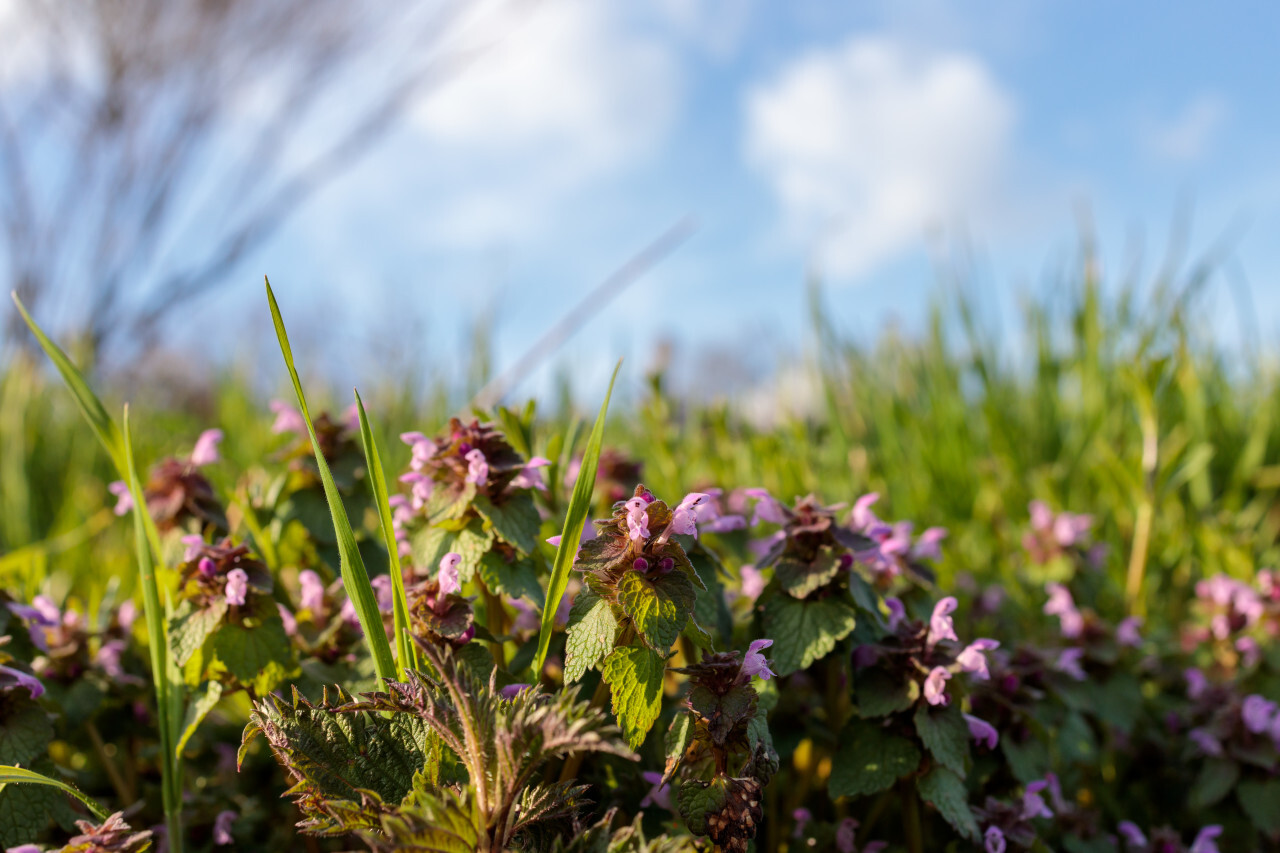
(897, 613)
(420, 488)
(422, 447)
(1197, 684)
(637, 519)
(724, 523)
(1033, 804)
(1207, 743)
(312, 595)
(753, 582)
(935, 686)
(659, 795)
(801, 816)
(222, 827)
(477, 467)
(1250, 652)
(1257, 713)
(845, 836)
(926, 547)
(767, 507)
(862, 517)
(1133, 836)
(684, 519)
(1068, 662)
(993, 840)
(940, 625)
(1068, 528)
(974, 660)
(237, 586)
(207, 567)
(1062, 605)
(982, 732)
(382, 590)
(755, 663)
(511, 691)
(124, 500)
(448, 574)
(24, 848)
(206, 450)
(1127, 632)
(1204, 842)
(529, 478)
(288, 419)
(290, 622)
(21, 679)
(193, 542)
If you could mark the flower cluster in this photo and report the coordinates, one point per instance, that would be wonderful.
(176, 491)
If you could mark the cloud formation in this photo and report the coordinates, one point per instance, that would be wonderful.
(868, 145)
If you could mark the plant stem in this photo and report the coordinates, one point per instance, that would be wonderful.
(123, 790)
(911, 827)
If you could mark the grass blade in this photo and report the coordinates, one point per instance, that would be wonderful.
(20, 775)
(354, 576)
(574, 520)
(406, 650)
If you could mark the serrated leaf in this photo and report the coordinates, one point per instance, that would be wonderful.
(1261, 802)
(659, 606)
(472, 543)
(259, 655)
(697, 799)
(1216, 779)
(517, 579)
(25, 730)
(515, 520)
(679, 736)
(946, 792)
(635, 674)
(760, 742)
(799, 579)
(869, 760)
(805, 631)
(202, 702)
(945, 734)
(191, 626)
(879, 694)
(445, 822)
(593, 629)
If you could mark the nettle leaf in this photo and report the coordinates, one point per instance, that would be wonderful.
(727, 810)
(256, 651)
(1261, 802)
(593, 629)
(805, 631)
(471, 542)
(879, 694)
(698, 635)
(515, 520)
(697, 800)
(710, 608)
(1216, 779)
(202, 702)
(945, 734)
(765, 761)
(25, 730)
(870, 759)
(723, 712)
(946, 792)
(635, 675)
(446, 504)
(799, 579)
(191, 626)
(444, 822)
(658, 605)
(516, 578)
(679, 736)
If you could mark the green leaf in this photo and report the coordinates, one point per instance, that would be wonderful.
(191, 626)
(710, 609)
(946, 792)
(202, 702)
(471, 543)
(258, 655)
(406, 650)
(697, 799)
(515, 520)
(593, 629)
(870, 759)
(659, 606)
(700, 636)
(1216, 779)
(1029, 761)
(880, 694)
(1076, 741)
(1261, 802)
(635, 674)
(25, 730)
(571, 533)
(354, 576)
(27, 811)
(518, 579)
(945, 734)
(805, 631)
(679, 736)
(20, 775)
(799, 579)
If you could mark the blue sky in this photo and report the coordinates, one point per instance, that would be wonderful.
(862, 142)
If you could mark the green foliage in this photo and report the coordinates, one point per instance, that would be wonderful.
(657, 605)
(945, 791)
(805, 631)
(870, 759)
(593, 629)
(635, 674)
(945, 734)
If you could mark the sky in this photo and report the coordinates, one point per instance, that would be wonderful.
(871, 145)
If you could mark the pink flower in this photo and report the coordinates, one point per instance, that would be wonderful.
(1033, 804)
(448, 574)
(290, 622)
(21, 679)
(801, 816)
(974, 660)
(529, 478)
(222, 827)
(659, 795)
(755, 663)
(206, 450)
(511, 691)
(753, 581)
(422, 448)
(637, 519)
(1197, 684)
(684, 519)
(845, 836)
(382, 590)
(1068, 662)
(897, 613)
(312, 595)
(237, 586)
(288, 419)
(926, 547)
(935, 686)
(420, 488)
(1127, 632)
(477, 467)
(724, 523)
(767, 507)
(940, 625)
(193, 542)
(1061, 604)
(1207, 743)
(1204, 841)
(1132, 835)
(993, 840)
(982, 732)
(1257, 713)
(1068, 528)
(862, 517)
(124, 500)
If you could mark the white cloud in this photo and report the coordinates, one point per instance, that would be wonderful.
(1186, 137)
(869, 145)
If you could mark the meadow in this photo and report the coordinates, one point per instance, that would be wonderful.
(1084, 660)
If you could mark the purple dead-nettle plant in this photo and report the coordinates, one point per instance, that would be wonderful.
(438, 613)
(177, 492)
(1054, 536)
(1234, 620)
(1166, 840)
(892, 553)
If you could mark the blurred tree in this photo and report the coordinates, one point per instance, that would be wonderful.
(147, 146)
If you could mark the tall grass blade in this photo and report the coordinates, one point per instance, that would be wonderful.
(406, 650)
(575, 519)
(21, 776)
(354, 576)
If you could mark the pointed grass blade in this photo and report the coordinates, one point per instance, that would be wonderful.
(406, 650)
(575, 519)
(21, 776)
(355, 578)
